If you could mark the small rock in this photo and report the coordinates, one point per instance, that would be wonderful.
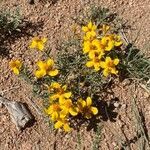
(116, 104)
(114, 144)
(47, 5)
(124, 106)
(146, 95)
(31, 2)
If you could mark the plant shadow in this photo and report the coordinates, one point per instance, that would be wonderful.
(106, 112)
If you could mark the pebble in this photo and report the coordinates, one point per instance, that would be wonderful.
(116, 104)
(31, 2)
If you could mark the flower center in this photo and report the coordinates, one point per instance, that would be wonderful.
(111, 64)
(56, 107)
(38, 40)
(96, 60)
(93, 47)
(68, 104)
(86, 110)
(14, 65)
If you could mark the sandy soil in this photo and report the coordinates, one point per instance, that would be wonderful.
(53, 20)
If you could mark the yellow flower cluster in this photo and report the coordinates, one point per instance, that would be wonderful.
(62, 106)
(97, 48)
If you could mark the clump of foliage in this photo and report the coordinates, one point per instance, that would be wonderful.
(10, 21)
(82, 68)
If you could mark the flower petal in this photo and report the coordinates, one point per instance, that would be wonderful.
(108, 59)
(88, 101)
(114, 71)
(54, 97)
(18, 64)
(49, 110)
(55, 85)
(44, 40)
(110, 46)
(105, 28)
(58, 124)
(92, 54)
(116, 61)
(33, 44)
(40, 46)
(84, 29)
(54, 116)
(96, 68)
(63, 113)
(64, 87)
(89, 64)
(81, 103)
(90, 25)
(16, 71)
(94, 27)
(105, 72)
(40, 73)
(94, 110)
(103, 64)
(67, 127)
(53, 72)
(73, 111)
(86, 47)
(67, 95)
(41, 64)
(118, 43)
(61, 99)
(90, 34)
(50, 62)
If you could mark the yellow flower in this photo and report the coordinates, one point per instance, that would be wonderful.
(68, 108)
(109, 66)
(46, 68)
(104, 28)
(15, 65)
(62, 123)
(90, 29)
(116, 39)
(38, 43)
(96, 53)
(108, 43)
(91, 46)
(111, 41)
(85, 107)
(89, 37)
(94, 62)
(60, 92)
(53, 110)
